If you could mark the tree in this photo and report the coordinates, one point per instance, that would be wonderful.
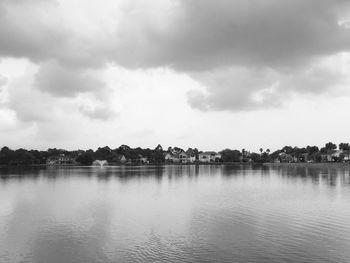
(313, 152)
(261, 150)
(6, 154)
(159, 148)
(104, 153)
(344, 146)
(330, 146)
(287, 149)
(85, 159)
(256, 158)
(228, 155)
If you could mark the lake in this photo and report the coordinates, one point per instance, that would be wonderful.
(208, 213)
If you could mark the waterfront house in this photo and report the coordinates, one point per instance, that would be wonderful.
(172, 157)
(326, 158)
(209, 157)
(61, 159)
(168, 156)
(142, 159)
(183, 157)
(338, 156)
(191, 155)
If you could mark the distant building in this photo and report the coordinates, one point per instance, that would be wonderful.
(183, 157)
(191, 155)
(209, 157)
(338, 156)
(172, 158)
(326, 158)
(177, 155)
(61, 159)
(142, 160)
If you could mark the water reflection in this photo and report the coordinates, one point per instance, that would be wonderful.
(207, 213)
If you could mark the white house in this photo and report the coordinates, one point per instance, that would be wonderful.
(209, 157)
(183, 157)
(60, 160)
(179, 157)
(172, 158)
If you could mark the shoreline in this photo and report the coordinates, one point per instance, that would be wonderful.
(127, 165)
(315, 165)
(311, 165)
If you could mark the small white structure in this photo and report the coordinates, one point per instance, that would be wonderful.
(122, 158)
(100, 163)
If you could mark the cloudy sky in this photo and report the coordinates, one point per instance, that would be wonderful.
(207, 74)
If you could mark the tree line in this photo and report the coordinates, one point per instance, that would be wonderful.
(156, 156)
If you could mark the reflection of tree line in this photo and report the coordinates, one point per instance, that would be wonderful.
(126, 173)
(316, 174)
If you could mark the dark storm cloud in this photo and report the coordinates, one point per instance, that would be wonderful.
(210, 34)
(231, 48)
(66, 82)
(35, 30)
(246, 54)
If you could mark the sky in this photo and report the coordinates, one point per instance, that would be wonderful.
(80, 74)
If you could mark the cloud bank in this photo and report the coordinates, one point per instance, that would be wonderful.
(246, 54)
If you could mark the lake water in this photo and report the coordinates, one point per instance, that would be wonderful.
(175, 214)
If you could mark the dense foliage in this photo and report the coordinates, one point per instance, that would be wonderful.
(128, 155)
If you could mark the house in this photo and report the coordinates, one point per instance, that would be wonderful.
(178, 155)
(277, 160)
(209, 157)
(183, 157)
(191, 155)
(338, 156)
(168, 156)
(61, 159)
(326, 158)
(142, 160)
(171, 157)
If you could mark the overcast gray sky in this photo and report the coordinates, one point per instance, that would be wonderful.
(207, 74)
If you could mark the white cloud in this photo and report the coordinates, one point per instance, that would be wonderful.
(132, 71)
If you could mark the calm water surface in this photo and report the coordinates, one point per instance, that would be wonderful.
(175, 214)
